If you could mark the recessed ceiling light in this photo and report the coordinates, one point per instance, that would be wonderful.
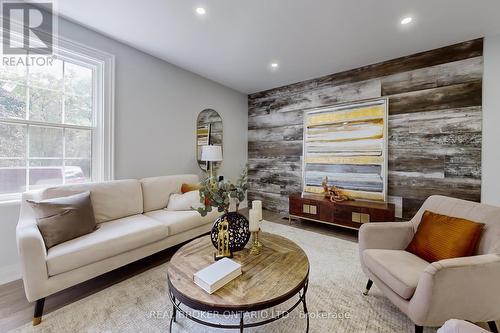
(273, 66)
(200, 11)
(406, 20)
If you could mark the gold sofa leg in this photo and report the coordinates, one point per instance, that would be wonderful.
(37, 316)
(368, 286)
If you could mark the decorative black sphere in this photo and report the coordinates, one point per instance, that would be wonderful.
(239, 232)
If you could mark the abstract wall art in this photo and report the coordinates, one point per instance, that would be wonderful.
(348, 144)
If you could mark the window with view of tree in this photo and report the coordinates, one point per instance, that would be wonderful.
(47, 124)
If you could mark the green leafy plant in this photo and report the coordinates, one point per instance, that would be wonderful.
(218, 194)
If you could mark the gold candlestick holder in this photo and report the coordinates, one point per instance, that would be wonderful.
(256, 248)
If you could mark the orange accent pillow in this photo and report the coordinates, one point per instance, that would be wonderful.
(189, 187)
(441, 237)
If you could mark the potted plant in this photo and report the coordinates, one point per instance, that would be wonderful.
(219, 195)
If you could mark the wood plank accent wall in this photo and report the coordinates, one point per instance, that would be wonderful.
(435, 106)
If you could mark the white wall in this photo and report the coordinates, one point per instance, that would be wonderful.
(156, 105)
(490, 187)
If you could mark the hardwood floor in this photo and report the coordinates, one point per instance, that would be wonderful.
(15, 310)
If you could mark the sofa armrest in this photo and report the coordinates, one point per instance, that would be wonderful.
(385, 235)
(465, 288)
(32, 254)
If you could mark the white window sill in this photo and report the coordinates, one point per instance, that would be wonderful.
(12, 202)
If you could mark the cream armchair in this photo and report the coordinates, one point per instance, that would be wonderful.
(466, 288)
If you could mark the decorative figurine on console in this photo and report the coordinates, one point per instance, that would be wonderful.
(333, 193)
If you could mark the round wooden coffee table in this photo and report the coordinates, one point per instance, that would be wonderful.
(280, 272)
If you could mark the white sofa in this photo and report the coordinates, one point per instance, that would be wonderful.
(132, 222)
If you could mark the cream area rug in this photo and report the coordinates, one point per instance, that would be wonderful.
(335, 302)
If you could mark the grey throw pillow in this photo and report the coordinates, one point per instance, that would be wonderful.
(65, 218)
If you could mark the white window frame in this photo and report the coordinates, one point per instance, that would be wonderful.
(103, 67)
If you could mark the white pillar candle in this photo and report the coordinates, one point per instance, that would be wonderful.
(254, 220)
(257, 205)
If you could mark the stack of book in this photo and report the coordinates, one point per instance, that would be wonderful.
(217, 275)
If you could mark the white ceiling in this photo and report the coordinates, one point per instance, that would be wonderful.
(237, 39)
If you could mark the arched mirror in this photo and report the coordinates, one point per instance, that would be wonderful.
(208, 132)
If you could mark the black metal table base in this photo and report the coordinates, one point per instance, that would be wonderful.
(241, 314)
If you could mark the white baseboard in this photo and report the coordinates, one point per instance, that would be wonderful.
(9, 273)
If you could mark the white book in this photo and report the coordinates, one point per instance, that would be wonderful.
(217, 275)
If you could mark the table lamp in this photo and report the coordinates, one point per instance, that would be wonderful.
(211, 154)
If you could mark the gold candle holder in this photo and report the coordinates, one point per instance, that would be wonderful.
(256, 248)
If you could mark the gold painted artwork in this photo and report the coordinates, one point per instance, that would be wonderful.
(347, 145)
(358, 114)
(333, 159)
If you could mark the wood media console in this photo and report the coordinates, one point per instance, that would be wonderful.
(349, 214)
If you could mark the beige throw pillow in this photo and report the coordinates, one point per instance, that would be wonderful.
(186, 201)
(64, 218)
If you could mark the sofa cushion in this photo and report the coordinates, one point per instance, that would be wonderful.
(156, 190)
(111, 200)
(441, 237)
(473, 211)
(190, 187)
(110, 239)
(180, 221)
(399, 270)
(186, 201)
(65, 218)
